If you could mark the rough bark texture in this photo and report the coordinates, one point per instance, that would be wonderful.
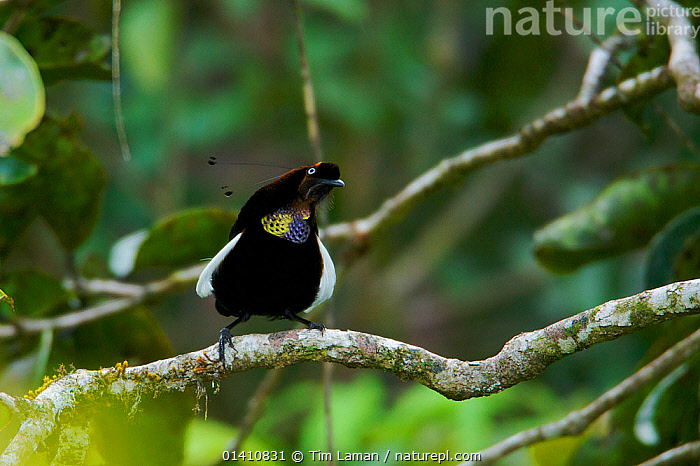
(522, 358)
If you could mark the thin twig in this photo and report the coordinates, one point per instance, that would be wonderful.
(684, 62)
(74, 277)
(683, 454)
(600, 59)
(578, 421)
(17, 405)
(598, 64)
(677, 130)
(176, 281)
(97, 286)
(117, 82)
(309, 99)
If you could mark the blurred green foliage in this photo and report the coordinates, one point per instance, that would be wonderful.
(399, 86)
(181, 239)
(66, 190)
(65, 49)
(624, 217)
(22, 96)
(369, 419)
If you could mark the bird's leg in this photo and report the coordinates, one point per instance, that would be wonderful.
(311, 325)
(225, 335)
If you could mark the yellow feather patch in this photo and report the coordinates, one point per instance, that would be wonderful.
(277, 223)
(288, 223)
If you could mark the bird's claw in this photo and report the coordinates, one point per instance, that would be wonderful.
(224, 338)
(315, 326)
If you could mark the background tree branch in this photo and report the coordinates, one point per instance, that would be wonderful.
(578, 421)
(574, 115)
(684, 63)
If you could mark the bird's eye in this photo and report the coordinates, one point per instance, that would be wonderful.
(311, 171)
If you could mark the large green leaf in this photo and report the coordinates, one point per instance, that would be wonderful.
(22, 98)
(35, 293)
(16, 202)
(16, 211)
(68, 187)
(30, 9)
(13, 171)
(674, 253)
(206, 440)
(183, 238)
(651, 52)
(66, 49)
(625, 216)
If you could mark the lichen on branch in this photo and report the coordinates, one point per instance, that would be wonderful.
(522, 358)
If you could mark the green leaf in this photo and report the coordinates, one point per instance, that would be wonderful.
(122, 257)
(66, 49)
(359, 404)
(22, 98)
(13, 171)
(651, 52)
(185, 238)
(352, 11)
(7, 300)
(625, 216)
(35, 293)
(68, 187)
(674, 251)
(17, 212)
(645, 427)
(205, 440)
(133, 334)
(33, 8)
(556, 452)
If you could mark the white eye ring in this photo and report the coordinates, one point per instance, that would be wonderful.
(311, 171)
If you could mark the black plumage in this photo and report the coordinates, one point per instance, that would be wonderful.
(274, 264)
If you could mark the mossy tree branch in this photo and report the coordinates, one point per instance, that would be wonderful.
(522, 358)
(684, 63)
(577, 422)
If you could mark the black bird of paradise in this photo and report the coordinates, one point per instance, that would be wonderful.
(274, 264)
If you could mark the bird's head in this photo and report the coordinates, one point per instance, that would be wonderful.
(319, 180)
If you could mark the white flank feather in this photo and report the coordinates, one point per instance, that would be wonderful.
(325, 288)
(204, 287)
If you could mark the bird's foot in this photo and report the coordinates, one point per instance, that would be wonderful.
(224, 338)
(315, 326)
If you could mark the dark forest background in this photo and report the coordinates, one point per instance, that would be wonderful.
(399, 86)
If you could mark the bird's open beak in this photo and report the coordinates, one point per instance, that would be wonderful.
(335, 183)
